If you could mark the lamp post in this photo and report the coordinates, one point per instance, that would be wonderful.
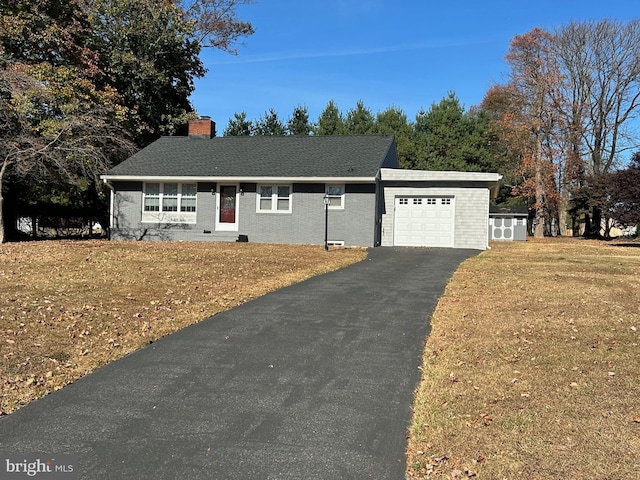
(327, 202)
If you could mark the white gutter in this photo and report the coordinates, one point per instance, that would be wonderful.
(152, 178)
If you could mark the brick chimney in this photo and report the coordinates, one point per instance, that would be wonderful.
(204, 127)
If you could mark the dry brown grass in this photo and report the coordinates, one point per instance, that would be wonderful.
(532, 369)
(67, 308)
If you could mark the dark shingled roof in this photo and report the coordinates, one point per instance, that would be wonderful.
(262, 156)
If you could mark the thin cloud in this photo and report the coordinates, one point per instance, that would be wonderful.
(288, 56)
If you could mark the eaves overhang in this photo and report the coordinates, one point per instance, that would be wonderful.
(238, 179)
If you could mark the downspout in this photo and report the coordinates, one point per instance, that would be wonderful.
(111, 206)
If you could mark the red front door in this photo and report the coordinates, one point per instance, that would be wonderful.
(227, 204)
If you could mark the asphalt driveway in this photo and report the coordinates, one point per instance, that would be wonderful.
(314, 381)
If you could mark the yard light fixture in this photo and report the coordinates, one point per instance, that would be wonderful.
(327, 202)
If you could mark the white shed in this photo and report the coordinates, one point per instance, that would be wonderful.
(422, 208)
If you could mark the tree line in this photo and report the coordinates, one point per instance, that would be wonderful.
(85, 83)
(443, 137)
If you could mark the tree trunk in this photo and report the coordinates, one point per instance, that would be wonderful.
(596, 222)
(3, 172)
(538, 231)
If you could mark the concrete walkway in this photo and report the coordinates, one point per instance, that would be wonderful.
(314, 381)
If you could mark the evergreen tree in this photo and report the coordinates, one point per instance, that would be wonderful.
(299, 124)
(330, 121)
(238, 126)
(359, 120)
(447, 138)
(269, 124)
(393, 121)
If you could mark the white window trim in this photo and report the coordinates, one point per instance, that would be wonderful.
(342, 197)
(274, 198)
(168, 216)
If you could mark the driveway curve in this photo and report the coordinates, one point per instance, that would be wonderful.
(314, 381)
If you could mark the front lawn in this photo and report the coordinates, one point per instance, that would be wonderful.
(532, 369)
(68, 307)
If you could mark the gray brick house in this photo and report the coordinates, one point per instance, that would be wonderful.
(273, 190)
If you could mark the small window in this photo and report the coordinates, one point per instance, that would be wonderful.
(404, 201)
(188, 199)
(417, 201)
(431, 201)
(336, 196)
(152, 197)
(274, 198)
(266, 197)
(446, 201)
(170, 197)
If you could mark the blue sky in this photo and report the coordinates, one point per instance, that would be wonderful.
(405, 53)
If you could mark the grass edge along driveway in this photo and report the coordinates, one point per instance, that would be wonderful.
(532, 368)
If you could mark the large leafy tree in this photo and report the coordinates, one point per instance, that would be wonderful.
(148, 53)
(57, 125)
(533, 88)
(80, 78)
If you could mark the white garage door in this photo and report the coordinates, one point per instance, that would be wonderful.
(424, 221)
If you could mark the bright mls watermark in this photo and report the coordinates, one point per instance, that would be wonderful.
(50, 467)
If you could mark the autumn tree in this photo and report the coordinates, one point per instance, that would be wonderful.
(625, 193)
(57, 124)
(80, 78)
(508, 137)
(533, 81)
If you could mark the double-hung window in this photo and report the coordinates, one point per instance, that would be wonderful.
(274, 198)
(336, 196)
(169, 202)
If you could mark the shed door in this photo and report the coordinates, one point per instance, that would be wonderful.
(424, 221)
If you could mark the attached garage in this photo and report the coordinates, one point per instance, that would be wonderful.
(422, 208)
